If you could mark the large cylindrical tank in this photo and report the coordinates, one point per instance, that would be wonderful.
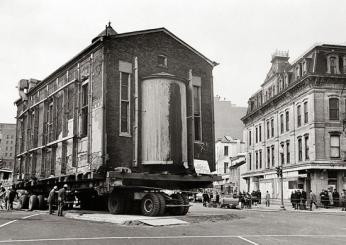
(163, 132)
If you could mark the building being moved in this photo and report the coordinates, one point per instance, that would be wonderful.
(131, 110)
(297, 121)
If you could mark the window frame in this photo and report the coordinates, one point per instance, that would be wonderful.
(198, 117)
(126, 133)
(306, 112)
(288, 153)
(299, 116)
(300, 149)
(306, 147)
(337, 109)
(84, 110)
(287, 115)
(338, 147)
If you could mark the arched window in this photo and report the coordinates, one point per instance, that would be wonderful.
(333, 109)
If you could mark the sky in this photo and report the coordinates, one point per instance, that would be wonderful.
(38, 36)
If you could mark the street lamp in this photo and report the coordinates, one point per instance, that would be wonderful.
(280, 174)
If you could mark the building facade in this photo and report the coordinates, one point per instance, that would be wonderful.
(297, 121)
(227, 149)
(227, 119)
(141, 100)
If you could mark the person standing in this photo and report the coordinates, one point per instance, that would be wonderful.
(313, 200)
(304, 199)
(267, 199)
(336, 198)
(51, 199)
(61, 199)
(330, 198)
(259, 194)
(7, 199)
(343, 200)
(11, 197)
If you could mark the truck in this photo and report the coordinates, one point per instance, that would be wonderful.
(127, 118)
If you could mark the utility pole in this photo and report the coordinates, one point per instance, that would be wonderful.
(280, 174)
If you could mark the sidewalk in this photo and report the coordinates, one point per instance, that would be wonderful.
(275, 206)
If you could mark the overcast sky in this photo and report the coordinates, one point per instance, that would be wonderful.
(37, 37)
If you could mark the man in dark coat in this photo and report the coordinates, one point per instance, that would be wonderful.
(336, 198)
(298, 197)
(11, 197)
(304, 199)
(51, 199)
(61, 199)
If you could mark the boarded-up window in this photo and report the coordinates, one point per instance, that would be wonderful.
(125, 103)
(84, 112)
(197, 112)
(293, 184)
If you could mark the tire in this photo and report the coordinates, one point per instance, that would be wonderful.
(179, 201)
(116, 203)
(186, 202)
(33, 202)
(24, 202)
(40, 202)
(162, 204)
(150, 205)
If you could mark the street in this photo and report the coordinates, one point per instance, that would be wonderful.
(206, 226)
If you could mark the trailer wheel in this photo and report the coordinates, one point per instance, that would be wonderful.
(179, 201)
(23, 201)
(33, 202)
(186, 202)
(162, 204)
(40, 202)
(116, 203)
(150, 205)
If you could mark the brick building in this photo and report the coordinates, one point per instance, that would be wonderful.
(100, 110)
(297, 120)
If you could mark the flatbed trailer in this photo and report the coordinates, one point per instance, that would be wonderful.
(121, 192)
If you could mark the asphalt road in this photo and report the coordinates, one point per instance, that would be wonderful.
(207, 226)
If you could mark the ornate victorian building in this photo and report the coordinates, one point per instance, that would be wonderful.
(297, 121)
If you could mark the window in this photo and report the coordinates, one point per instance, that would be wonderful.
(282, 154)
(299, 116)
(300, 154)
(287, 152)
(162, 60)
(272, 126)
(333, 109)
(260, 159)
(250, 161)
(197, 112)
(256, 135)
(225, 150)
(225, 167)
(273, 157)
(292, 184)
(256, 154)
(84, 110)
(306, 113)
(260, 133)
(268, 130)
(50, 128)
(333, 69)
(268, 157)
(298, 71)
(304, 67)
(125, 103)
(335, 146)
(249, 137)
(306, 142)
(282, 123)
(344, 63)
(287, 120)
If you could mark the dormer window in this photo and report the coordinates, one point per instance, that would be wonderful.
(286, 80)
(298, 71)
(333, 64)
(304, 65)
(344, 64)
(162, 60)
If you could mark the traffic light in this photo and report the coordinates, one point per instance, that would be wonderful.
(279, 171)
